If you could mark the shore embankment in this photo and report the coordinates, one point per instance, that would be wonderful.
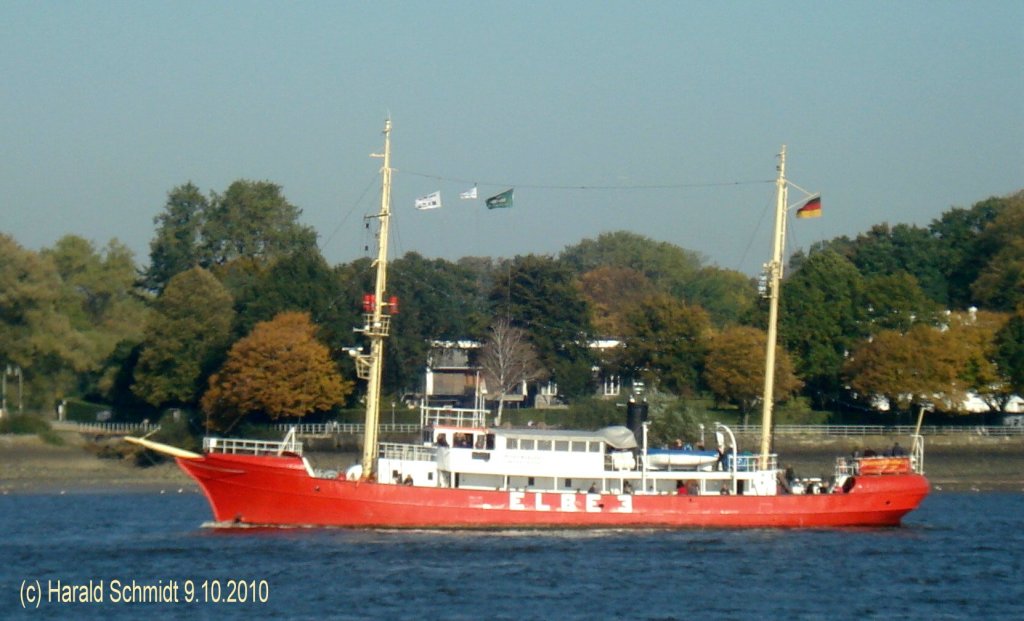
(952, 463)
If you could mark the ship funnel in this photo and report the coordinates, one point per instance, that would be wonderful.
(636, 415)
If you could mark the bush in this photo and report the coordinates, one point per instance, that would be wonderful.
(24, 424)
(176, 430)
(27, 424)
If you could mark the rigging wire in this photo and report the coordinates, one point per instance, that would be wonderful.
(660, 186)
(351, 209)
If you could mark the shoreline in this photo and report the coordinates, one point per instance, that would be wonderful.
(952, 464)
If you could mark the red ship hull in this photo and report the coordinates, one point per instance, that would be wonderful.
(278, 491)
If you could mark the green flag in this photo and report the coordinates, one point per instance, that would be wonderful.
(500, 201)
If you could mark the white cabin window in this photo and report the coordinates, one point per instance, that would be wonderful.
(512, 443)
(526, 445)
(594, 447)
(579, 447)
(561, 445)
(543, 445)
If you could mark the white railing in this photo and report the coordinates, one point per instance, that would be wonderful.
(408, 452)
(458, 417)
(104, 427)
(467, 418)
(326, 429)
(252, 447)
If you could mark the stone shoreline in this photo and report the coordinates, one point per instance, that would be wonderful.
(952, 463)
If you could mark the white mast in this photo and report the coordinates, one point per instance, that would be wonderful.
(378, 322)
(773, 270)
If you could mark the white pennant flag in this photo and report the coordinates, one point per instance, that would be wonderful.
(469, 193)
(430, 201)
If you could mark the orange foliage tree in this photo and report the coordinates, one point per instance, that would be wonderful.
(734, 369)
(908, 369)
(280, 369)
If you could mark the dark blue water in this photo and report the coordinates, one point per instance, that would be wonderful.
(958, 557)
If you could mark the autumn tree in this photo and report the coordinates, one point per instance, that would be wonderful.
(906, 369)
(724, 294)
(508, 359)
(734, 369)
(971, 336)
(184, 339)
(668, 266)
(666, 343)
(279, 370)
(611, 292)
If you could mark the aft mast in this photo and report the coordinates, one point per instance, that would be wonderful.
(378, 322)
(773, 271)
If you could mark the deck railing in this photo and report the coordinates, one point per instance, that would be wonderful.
(409, 452)
(459, 417)
(326, 429)
(251, 447)
(466, 417)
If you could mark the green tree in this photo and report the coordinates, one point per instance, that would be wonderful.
(963, 253)
(734, 369)
(252, 219)
(300, 281)
(540, 296)
(666, 343)
(1000, 283)
(895, 302)
(279, 370)
(727, 295)
(99, 298)
(185, 339)
(178, 236)
(821, 318)
(438, 300)
(37, 337)
(887, 250)
(251, 222)
(1009, 352)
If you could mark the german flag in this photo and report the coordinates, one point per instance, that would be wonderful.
(811, 209)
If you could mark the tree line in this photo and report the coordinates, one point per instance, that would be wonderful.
(237, 314)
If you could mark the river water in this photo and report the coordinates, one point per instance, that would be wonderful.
(958, 557)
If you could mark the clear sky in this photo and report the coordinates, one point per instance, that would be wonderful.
(894, 111)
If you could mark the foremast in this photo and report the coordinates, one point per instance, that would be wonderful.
(773, 272)
(377, 322)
